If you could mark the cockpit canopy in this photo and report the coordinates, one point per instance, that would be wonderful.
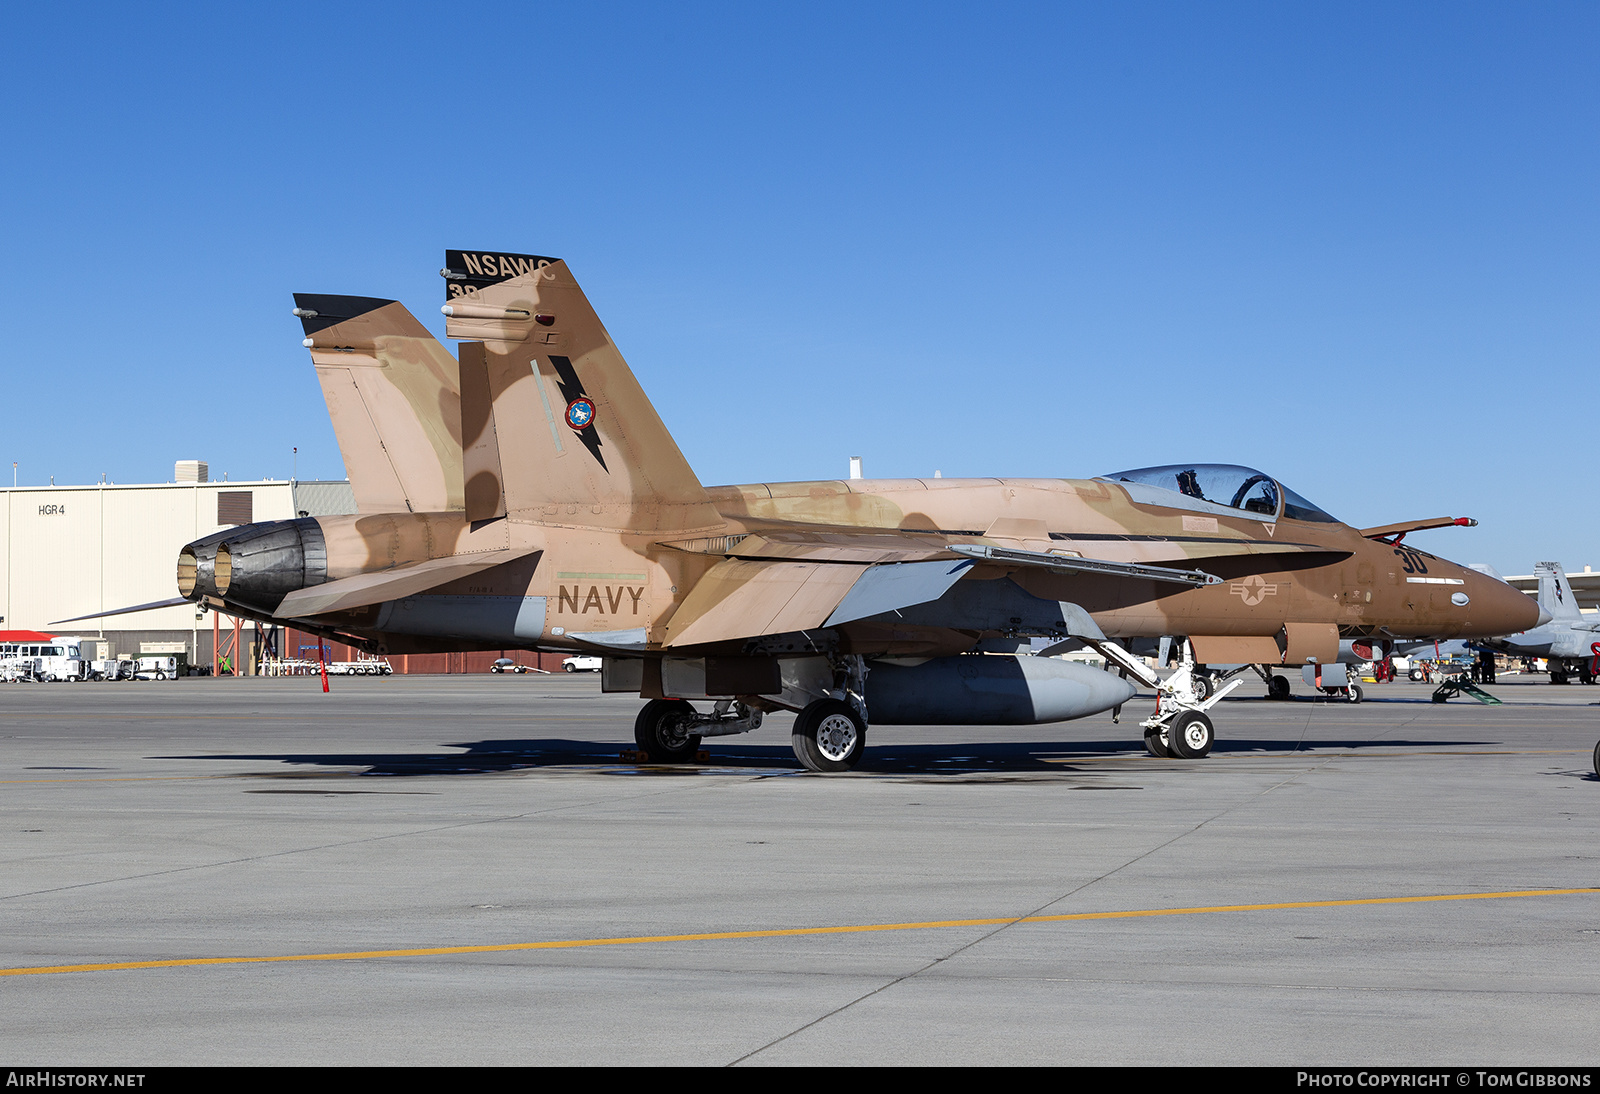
(1222, 486)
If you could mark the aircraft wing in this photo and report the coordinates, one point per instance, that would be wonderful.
(741, 598)
(401, 581)
(782, 580)
(748, 598)
(881, 545)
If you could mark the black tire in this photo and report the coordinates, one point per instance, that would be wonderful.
(568, 666)
(829, 736)
(1597, 758)
(1585, 676)
(1558, 677)
(1355, 694)
(1278, 687)
(1203, 685)
(1157, 747)
(660, 732)
(1190, 736)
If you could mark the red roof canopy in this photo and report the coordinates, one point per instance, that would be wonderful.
(25, 636)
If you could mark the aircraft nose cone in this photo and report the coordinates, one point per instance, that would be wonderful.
(1498, 609)
(1544, 617)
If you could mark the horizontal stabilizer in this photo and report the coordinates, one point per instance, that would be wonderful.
(402, 581)
(150, 607)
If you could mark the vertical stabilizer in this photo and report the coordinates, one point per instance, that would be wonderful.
(1555, 593)
(393, 393)
(575, 438)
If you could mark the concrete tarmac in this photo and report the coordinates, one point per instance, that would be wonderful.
(235, 820)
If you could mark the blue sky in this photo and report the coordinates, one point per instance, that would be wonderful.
(1353, 245)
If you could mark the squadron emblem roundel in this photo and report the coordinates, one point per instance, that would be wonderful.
(580, 412)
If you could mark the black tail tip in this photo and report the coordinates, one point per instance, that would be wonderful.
(317, 311)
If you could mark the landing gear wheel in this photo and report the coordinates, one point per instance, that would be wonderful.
(1278, 687)
(1203, 686)
(1190, 736)
(829, 736)
(662, 731)
(1354, 693)
(1597, 758)
(1558, 677)
(1585, 676)
(1156, 744)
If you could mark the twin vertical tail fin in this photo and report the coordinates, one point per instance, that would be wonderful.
(554, 424)
(394, 397)
(1555, 592)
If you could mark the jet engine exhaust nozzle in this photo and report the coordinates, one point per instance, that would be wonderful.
(197, 566)
(255, 565)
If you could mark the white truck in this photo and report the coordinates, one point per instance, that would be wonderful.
(47, 661)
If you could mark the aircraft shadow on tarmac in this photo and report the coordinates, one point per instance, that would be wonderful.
(998, 757)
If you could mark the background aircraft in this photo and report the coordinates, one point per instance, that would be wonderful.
(1564, 635)
(540, 502)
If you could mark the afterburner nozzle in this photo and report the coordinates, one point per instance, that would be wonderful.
(257, 565)
(197, 566)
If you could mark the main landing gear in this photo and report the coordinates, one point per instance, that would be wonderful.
(829, 735)
(669, 731)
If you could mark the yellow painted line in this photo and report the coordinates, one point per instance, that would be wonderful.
(788, 932)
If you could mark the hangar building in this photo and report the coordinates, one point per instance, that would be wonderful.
(68, 551)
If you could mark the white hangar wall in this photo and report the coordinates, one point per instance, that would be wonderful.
(67, 551)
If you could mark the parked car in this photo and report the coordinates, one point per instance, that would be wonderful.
(581, 663)
(505, 664)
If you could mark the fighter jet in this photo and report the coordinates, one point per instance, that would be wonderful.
(1565, 636)
(539, 502)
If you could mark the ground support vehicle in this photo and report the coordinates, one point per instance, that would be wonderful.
(366, 666)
